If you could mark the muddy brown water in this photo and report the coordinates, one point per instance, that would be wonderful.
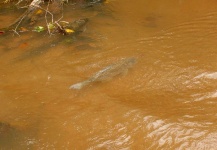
(167, 100)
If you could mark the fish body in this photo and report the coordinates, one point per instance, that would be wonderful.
(108, 72)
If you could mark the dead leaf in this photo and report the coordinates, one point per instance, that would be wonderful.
(22, 29)
(23, 45)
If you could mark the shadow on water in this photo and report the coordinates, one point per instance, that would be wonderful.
(13, 137)
(8, 135)
(39, 50)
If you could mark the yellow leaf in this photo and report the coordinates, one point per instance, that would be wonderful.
(39, 12)
(69, 31)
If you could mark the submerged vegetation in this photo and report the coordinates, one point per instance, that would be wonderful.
(52, 13)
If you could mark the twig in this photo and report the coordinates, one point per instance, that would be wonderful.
(45, 11)
(56, 22)
(62, 14)
(34, 4)
(18, 2)
(58, 25)
(46, 18)
(15, 32)
(19, 22)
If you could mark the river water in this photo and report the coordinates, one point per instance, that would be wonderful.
(167, 100)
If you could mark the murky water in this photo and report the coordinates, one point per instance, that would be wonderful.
(167, 100)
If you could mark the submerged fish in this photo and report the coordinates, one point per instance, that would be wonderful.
(108, 72)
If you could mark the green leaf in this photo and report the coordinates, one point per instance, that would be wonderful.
(51, 26)
(38, 29)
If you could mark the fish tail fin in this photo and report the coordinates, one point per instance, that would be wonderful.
(79, 85)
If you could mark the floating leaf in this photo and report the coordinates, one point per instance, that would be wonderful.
(22, 29)
(38, 29)
(51, 26)
(23, 45)
(39, 12)
(2, 32)
(69, 31)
